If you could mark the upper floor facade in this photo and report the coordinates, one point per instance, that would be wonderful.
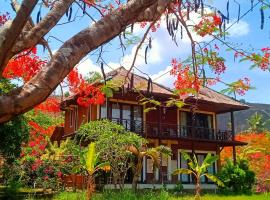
(196, 121)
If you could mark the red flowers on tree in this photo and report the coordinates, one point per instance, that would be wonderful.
(215, 62)
(51, 105)
(186, 81)
(208, 25)
(37, 140)
(257, 152)
(4, 18)
(87, 93)
(25, 65)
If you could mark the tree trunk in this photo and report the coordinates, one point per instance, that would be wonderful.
(90, 187)
(137, 174)
(72, 51)
(198, 189)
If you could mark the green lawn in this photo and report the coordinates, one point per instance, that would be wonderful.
(148, 195)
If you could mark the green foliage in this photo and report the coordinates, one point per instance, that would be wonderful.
(198, 170)
(110, 88)
(111, 140)
(257, 123)
(44, 119)
(92, 77)
(108, 134)
(6, 86)
(178, 189)
(176, 102)
(237, 178)
(11, 192)
(13, 134)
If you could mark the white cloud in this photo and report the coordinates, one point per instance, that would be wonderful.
(87, 65)
(164, 77)
(239, 29)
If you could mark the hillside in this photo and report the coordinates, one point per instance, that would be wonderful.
(242, 116)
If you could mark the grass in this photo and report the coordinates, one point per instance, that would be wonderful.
(149, 195)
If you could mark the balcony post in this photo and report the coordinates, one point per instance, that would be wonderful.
(233, 137)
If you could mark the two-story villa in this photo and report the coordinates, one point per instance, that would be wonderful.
(192, 128)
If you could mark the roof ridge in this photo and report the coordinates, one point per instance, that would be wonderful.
(158, 84)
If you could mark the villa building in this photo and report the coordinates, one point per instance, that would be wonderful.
(192, 128)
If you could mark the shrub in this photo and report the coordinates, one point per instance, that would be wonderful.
(237, 178)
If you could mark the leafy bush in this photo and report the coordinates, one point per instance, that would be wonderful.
(13, 134)
(11, 192)
(111, 141)
(237, 178)
(257, 152)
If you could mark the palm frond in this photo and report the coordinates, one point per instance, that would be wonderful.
(182, 171)
(208, 161)
(215, 179)
(91, 158)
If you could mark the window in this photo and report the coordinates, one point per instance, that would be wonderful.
(126, 116)
(103, 112)
(196, 119)
(130, 116)
(115, 111)
(185, 178)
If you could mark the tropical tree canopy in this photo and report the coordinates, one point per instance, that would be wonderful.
(31, 24)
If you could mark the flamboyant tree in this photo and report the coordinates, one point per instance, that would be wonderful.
(19, 36)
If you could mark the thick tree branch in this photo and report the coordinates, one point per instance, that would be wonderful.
(35, 35)
(71, 52)
(12, 30)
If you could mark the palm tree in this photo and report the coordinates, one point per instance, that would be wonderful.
(199, 171)
(92, 166)
(257, 123)
(154, 153)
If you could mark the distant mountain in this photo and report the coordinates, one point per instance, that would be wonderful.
(223, 120)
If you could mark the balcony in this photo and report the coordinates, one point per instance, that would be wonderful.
(174, 131)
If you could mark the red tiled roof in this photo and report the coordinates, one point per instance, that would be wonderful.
(206, 95)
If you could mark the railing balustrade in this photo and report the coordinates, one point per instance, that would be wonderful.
(173, 131)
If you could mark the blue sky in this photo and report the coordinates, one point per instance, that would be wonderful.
(246, 33)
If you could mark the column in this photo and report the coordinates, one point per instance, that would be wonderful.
(233, 135)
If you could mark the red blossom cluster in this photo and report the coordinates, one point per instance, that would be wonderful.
(241, 86)
(88, 93)
(212, 82)
(37, 142)
(208, 25)
(51, 105)
(4, 18)
(215, 61)
(25, 65)
(259, 59)
(186, 81)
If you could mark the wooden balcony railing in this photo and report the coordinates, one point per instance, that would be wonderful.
(173, 131)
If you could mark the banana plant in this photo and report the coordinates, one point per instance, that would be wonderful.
(199, 171)
(153, 153)
(92, 165)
